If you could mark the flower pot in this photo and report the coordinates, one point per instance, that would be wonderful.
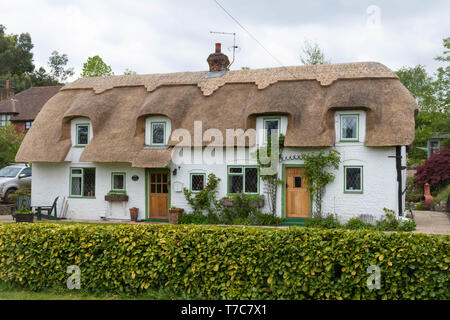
(227, 202)
(24, 217)
(256, 204)
(134, 214)
(174, 214)
(116, 197)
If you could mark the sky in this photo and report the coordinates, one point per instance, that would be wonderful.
(159, 36)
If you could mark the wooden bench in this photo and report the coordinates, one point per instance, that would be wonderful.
(49, 210)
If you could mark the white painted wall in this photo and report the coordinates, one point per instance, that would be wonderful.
(379, 178)
(51, 180)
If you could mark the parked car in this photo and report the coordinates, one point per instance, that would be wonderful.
(14, 177)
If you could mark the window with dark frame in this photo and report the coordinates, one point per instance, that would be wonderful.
(197, 181)
(82, 182)
(353, 179)
(269, 125)
(243, 180)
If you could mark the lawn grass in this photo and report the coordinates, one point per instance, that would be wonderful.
(9, 292)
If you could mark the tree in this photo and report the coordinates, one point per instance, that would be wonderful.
(129, 72)
(435, 171)
(57, 65)
(442, 83)
(40, 78)
(16, 57)
(96, 67)
(10, 142)
(420, 85)
(431, 94)
(313, 54)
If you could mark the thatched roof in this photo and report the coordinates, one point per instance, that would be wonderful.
(308, 95)
(27, 104)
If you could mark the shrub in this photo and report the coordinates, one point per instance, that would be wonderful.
(356, 224)
(443, 195)
(328, 222)
(436, 170)
(192, 218)
(226, 263)
(408, 225)
(267, 219)
(422, 207)
(413, 191)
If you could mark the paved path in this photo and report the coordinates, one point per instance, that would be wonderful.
(431, 222)
(6, 218)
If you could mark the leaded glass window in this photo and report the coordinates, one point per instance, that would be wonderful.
(243, 179)
(353, 179)
(82, 182)
(349, 127)
(82, 134)
(158, 132)
(269, 125)
(197, 181)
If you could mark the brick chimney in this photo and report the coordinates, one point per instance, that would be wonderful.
(218, 61)
(7, 92)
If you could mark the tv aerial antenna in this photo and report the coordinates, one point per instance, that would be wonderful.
(234, 47)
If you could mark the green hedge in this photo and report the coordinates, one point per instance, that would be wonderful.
(227, 262)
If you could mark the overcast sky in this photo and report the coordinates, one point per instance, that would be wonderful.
(153, 36)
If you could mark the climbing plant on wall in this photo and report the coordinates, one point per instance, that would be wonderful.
(319, 174)
(265, 157)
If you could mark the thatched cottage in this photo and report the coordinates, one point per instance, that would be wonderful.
(151, 136)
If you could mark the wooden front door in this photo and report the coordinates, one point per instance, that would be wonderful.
(297, 194)
(158, 197)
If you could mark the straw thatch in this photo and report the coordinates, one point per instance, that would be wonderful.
(308, 95)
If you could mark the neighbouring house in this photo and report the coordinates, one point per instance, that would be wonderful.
(151, 136)
(434, 144)
(21, 109)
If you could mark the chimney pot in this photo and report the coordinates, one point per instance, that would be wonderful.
(218, 47)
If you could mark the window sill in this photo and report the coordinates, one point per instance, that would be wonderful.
(353, 192)
(75, 197)
(79, 146)
(156, 146)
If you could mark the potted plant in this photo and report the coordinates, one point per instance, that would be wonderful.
(24, 215)
(174, 214)
(134, 213)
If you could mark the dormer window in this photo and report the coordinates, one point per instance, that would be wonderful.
(271, 124)
(157, 131)
(82, 134)
(349, 127)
